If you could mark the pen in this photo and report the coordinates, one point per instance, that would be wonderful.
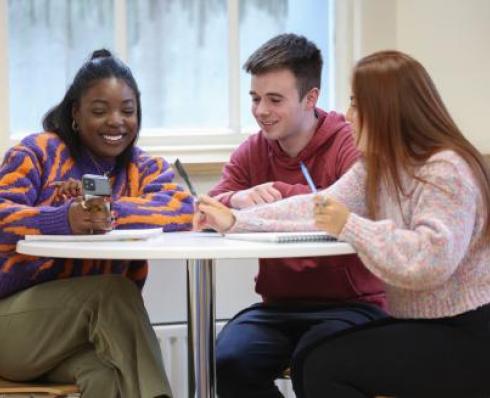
(56, 184)
(308, 178)
(183, 174)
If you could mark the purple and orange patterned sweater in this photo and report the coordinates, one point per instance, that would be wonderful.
(143, 197)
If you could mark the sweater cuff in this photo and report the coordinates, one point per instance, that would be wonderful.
(54, 220)
(238, 226)
(358, 232)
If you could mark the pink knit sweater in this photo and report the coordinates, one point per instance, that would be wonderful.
(427, 251)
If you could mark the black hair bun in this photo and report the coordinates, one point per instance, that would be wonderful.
(102, 53)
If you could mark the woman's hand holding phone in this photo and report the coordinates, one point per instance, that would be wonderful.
(91, 212)
(91, 216)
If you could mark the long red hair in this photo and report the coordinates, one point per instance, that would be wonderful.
(406, 123)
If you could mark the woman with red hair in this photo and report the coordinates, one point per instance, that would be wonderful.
(416, 209)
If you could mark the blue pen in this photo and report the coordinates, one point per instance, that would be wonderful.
(308, 178)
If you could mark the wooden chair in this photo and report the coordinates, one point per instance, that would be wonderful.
(10, 389)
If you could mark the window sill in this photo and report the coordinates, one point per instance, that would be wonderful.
(198, 160)
(202, 152)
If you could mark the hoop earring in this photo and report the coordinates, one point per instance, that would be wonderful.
(74, 125)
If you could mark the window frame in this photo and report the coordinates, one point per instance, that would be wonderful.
(206, 145)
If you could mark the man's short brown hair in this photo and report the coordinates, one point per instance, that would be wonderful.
(289, 51)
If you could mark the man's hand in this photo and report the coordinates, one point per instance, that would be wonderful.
(90, 216)
(330, 215)
(212, 214)
(260, 194)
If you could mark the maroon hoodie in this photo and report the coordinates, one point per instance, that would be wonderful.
(329, 154)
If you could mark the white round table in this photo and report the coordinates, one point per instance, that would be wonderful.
(200, 250)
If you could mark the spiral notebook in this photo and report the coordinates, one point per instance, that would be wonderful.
(282, 237)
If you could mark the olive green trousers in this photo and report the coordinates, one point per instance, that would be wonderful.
(93, 331)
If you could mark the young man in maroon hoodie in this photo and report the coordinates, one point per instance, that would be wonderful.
(304, 299)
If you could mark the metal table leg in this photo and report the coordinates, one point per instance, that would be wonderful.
(201, 314)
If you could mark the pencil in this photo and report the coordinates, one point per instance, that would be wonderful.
(308, 178)
(183, 174)
(56, 183)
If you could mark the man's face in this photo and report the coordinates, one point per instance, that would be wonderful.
(276, 105)
(107, 117)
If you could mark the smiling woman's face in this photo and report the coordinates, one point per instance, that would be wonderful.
(107, 117)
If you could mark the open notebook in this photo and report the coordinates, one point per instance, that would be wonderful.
(282, 237)
(114, 235)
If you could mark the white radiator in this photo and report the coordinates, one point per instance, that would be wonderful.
(173, 342)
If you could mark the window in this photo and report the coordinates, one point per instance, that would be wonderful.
(186, 56)
(48, 41)
(178, 52)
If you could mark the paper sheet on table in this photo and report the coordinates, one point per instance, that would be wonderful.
(114, 235)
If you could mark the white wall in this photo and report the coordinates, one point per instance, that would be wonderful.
(362, 27)
(451, 38)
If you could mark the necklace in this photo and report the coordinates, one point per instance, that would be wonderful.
(98, 166)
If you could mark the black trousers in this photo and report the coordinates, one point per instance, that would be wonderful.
(437, 358)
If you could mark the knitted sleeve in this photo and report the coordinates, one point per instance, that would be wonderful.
(427, 251)
(20, 187)
(292, 214)
(296, 213)
(153, 200)
(350, 189)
